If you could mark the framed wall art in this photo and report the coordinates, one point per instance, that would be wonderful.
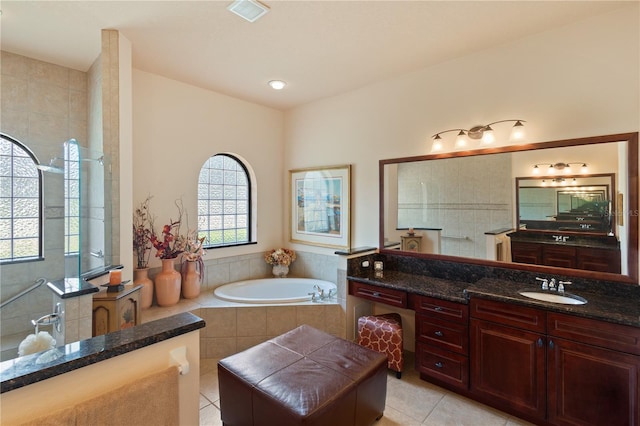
(320, 206)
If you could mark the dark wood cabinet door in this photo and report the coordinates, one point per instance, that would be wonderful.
(592, 386)
(526, 253)
(600, 260)
(508, 368)
(560, 256)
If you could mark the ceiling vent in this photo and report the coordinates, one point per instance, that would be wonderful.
(250, 10)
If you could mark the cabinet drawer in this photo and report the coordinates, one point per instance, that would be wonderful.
(444, 334)
(389, 296)
(509, 314)
(442, 365)
(438, 308)
(618, 337)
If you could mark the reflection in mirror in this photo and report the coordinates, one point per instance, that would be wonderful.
(571, 203)
(463, 205)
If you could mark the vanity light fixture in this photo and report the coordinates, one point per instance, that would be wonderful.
(559, 167)
(277, 84)
(484, 133)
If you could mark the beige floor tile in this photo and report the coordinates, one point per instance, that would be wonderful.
(415, 399)
(455, 410)
(204, 401)
(209, 387)
(210, 416)
(393, 417)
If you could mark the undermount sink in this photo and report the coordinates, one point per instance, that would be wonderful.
(545, 296)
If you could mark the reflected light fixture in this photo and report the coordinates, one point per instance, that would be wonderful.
(559, 167)
(484, 133)
(277, 84)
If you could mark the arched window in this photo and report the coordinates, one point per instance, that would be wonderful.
(224, 202)
(20, 202)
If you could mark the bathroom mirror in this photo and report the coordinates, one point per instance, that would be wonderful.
(575, 203)
(455, 202)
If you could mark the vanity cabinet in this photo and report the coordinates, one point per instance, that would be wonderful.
(508, 357)
(442, 341)
(566, 256)
(389, 296)
(553, 367)
(594, 369)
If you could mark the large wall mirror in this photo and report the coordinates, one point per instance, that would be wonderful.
(462, 206)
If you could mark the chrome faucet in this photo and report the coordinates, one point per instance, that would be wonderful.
(320, 295)
(552, 284)
(561, 285)
(545, 283)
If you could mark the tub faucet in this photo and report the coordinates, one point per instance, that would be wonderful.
(320, 295)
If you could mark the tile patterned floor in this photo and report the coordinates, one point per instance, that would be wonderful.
(410, 402)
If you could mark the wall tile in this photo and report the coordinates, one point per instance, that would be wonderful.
(252, 321)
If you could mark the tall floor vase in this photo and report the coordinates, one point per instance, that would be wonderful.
(141, 277)
(168, 283)
(191, 280)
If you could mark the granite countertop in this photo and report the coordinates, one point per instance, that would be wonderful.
(23, 371)
(616, 308)
(417, 284)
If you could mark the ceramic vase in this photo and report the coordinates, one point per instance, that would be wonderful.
(280, 271)
(168, 283)
(141, 277)
(191, 280)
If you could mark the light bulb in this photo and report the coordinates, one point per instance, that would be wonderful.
(277, 84)
(461, 140)
(517, 132)
(536, 170)
(584, 168)
(488, 136)
(437, 144)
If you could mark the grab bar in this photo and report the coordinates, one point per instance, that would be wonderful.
(456, 237)
(37, 284)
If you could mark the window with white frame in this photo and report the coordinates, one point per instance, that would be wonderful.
(224, 202)
(20, 202)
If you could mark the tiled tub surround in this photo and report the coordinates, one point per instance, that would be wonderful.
(607, 301)
(233, 327)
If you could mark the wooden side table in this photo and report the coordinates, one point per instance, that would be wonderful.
(116, 311)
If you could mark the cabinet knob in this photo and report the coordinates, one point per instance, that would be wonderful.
(439, 333)
(376, 294)
(437, 309)
(551, 345)
(539, 342)
(439, 364)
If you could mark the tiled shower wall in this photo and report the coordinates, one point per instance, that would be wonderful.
(465, 197)
(43, 105)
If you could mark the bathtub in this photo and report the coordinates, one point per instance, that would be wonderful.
(272, 290)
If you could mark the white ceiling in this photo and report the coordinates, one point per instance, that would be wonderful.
(321, 48)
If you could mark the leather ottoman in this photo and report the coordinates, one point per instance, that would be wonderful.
(303, 377)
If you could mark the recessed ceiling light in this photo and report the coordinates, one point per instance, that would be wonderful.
(277, 84)
(250, 10)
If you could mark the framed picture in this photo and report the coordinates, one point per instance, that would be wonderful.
(320, 210)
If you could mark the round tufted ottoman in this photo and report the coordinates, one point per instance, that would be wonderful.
(383, 333)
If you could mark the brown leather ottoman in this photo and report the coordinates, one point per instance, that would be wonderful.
(303, 377)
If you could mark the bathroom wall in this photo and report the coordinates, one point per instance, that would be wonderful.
(178, 127)
(576, 81)
(43, 105)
